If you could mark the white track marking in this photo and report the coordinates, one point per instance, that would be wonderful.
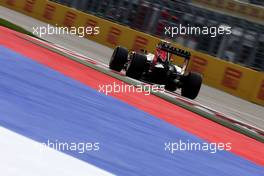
(22, 156)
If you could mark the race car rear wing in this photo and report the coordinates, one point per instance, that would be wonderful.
(176, 51)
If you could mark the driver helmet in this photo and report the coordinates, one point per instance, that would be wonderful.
(162, 55)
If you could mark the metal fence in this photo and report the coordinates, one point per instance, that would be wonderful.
(244, 46)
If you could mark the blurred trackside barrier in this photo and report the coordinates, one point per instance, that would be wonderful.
(244, 10)
(234, 79)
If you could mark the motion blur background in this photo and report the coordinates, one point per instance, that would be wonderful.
(245, 46)
(140, 25)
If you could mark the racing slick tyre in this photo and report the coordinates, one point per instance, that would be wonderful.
(118, 59)
(136, 66)
(191, 85)
(171, 86)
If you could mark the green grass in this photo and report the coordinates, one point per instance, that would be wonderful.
(15, 27)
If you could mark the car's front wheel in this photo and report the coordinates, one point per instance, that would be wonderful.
(191, 85)
(118, 59)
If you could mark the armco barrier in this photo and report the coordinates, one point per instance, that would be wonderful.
(244, 10)
(234, 79)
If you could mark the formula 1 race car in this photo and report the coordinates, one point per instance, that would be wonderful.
(158, 68)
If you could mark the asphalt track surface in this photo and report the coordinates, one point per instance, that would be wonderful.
(131, 128)
(230, 105)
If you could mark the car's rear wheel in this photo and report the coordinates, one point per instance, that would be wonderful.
(118, 59)
(170, 83)
(136, 66)
(171, 86)
(191, 85)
